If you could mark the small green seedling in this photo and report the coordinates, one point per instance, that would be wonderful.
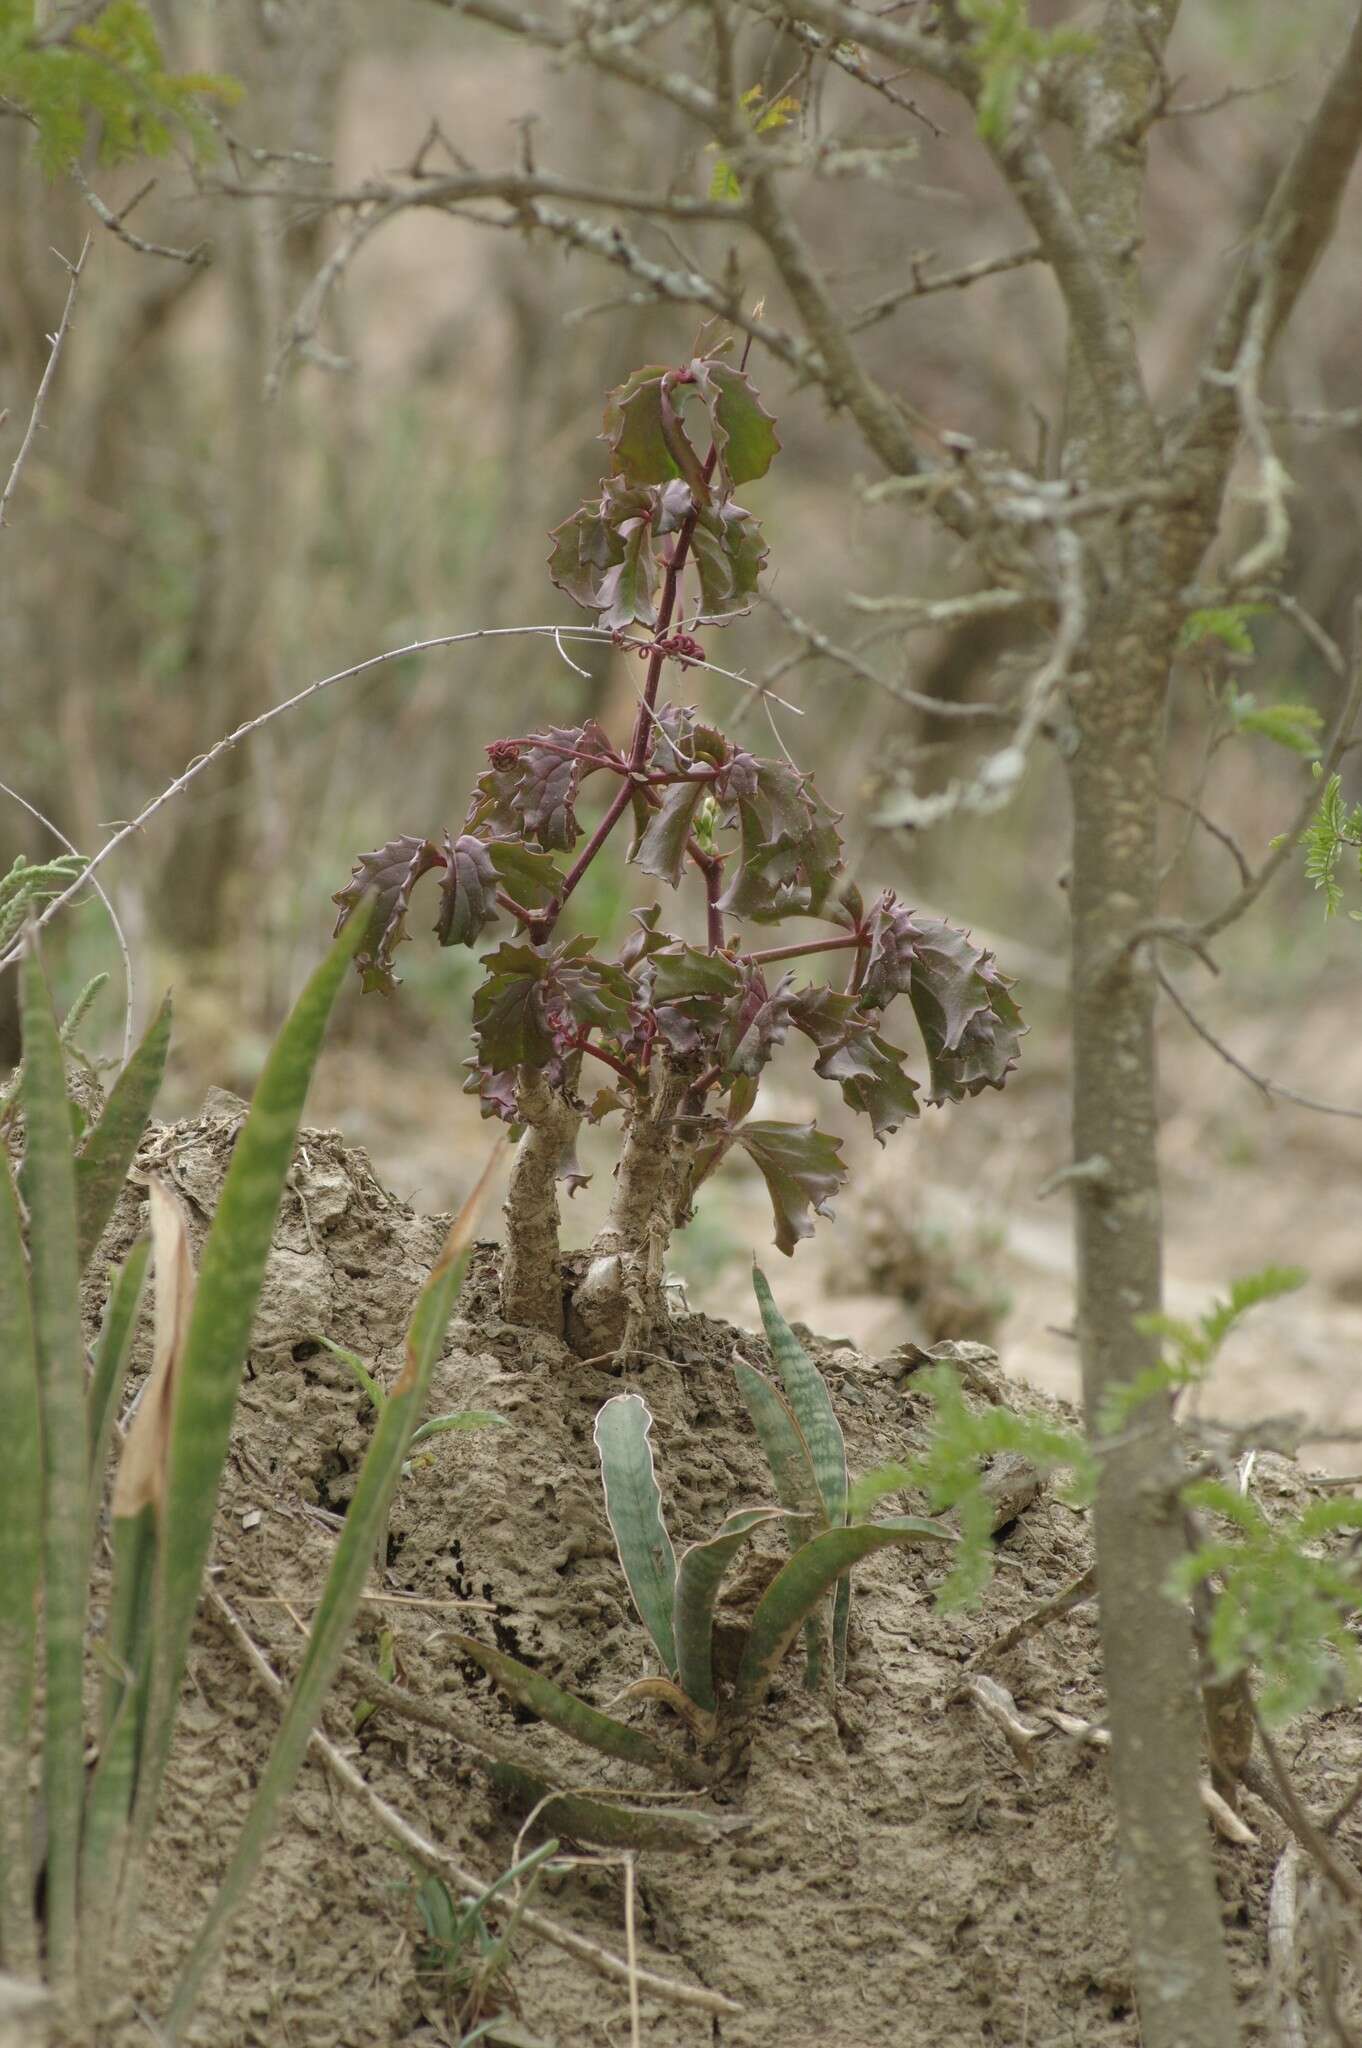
(468, 1960)
(675, 1597)
(439, 1425)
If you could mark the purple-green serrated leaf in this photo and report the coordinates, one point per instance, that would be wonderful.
(790, 853)
(592, 992)
(688, 1029)
(508, 1009)
(673, 507)
(744, 432)
(892, 936)
(803, 1169)
(633, 428)
(387, 877)
(680, 971)
(585, 547)
(661, 850)
(688, 463)
(530, 877)
(729, 554)
(868, 1070)
(553, 765)
(496, 1092)
(945, 986)
(989, 1047)
(647, 940)
(826, 1015)
(492, 809)
(468, 893)
(627, 592)
(755, 1022)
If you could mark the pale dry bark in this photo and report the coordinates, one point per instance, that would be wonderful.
(620, 1300)
(532, 1274)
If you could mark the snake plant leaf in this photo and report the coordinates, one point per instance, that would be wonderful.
(699, 1574)
(21, 1490)
(783, 1443)
(230, 1277)
(812, 1404)
(841, 1625)
(796, 1590)
(49, 1187)
(571, 1716)
(610, 1824)
(104, 1159)
(702, 1725)
(634, 1506)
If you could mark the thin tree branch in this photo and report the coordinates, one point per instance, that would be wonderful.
(1296, 226)
(115, 223)
(254, 725)
(601, 48)
(923, 285)
(54, 356)
(1267, 1089)
(818, 645)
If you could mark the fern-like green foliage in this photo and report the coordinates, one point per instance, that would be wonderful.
(1293, 726)
(1286, 1599)
(1223, 625)
(1191, 1349)
(30, 883)
(951, 1472)
(1335, 829)
(105, 83)
(1006, 48)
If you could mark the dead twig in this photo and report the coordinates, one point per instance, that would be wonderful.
(54, 356)
(430, 1856)
(1269, 1090)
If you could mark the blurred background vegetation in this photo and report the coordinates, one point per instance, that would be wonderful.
(185, 550)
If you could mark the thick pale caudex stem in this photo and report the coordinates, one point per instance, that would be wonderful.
(620, 1301)
(532, 1280)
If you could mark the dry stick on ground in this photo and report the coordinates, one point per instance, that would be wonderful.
(58, 341)
(430, 1856)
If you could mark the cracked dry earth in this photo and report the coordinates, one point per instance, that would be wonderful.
(889, 1872)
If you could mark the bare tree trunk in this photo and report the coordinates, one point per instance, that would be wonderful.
(620, 1301)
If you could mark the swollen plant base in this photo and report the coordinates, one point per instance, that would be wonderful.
(903, 1877)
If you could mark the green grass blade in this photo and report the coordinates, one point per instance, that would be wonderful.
(378, 1477)
(783, 1443)
(50, 1182)
(812, 1404)
(233, 1268)
(564, 1711)
(363, 1377)
(796, 1590)
(126, 1655)
(634, 1506)
(841, 1624)
(111, 1361)
(21, 1491)
(107, 1153)
(604, 1822)
(699, 1573)
(464, 1418)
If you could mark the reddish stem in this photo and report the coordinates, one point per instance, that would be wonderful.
(713, 871)
(809, 946)
(600, 1053)
(611, 760)
(638, 749)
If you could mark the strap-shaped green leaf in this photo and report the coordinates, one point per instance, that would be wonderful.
(796, 1590)
(107, 1153)
(230, 1277)
(21, 1492)
(50, 1189)
(634, 1505)
(783, 1443)
(564, 1711)
(811, 1402)
(608, 1824)
(350, 1566)
(699, 1574)
(841, 1624)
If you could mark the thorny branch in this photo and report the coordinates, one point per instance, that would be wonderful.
(35, 418)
